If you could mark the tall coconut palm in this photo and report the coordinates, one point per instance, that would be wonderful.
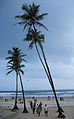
(31, 18)
(15, 64)
(36, 38)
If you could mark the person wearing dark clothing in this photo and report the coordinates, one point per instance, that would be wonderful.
(31, 104)
(34, 106)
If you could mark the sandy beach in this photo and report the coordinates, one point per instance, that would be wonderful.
(6, 106)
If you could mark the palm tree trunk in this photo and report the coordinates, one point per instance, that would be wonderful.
(25, 110)
(15, 106)
(51, 82)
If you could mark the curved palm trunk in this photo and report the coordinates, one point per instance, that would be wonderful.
(15, 106)
(51, 82)
(25, 110)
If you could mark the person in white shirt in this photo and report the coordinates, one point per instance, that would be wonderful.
(46, 110)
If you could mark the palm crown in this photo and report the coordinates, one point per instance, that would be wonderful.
(34, 37)
(15, 60)
(31, 16)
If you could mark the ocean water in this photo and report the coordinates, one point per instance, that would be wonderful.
(38, 93)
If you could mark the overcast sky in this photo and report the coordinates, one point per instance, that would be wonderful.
(58, 47)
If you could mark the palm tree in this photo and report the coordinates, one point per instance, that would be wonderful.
(31, 18)
(36, 38)
(15, 64)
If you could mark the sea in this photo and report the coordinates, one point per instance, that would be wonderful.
(38, 93)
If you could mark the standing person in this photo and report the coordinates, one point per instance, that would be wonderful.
(40, 106)
(46, 110)
(34, 106)
(31, 104)
(39, 110)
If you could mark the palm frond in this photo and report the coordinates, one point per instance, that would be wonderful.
(8, 58)
(41, 17)
(41, 37)
(18, 16)
(31, 45)
(40, 44)
(21, 66)
(25, 8)
(28, 37)
(19, 23)
(10, 61)
(25, 25)
(23, 17)
(9, 64)
(40, 24)
(34, 9)
(9, 72)
(21, 71)
(22, 55)
(10, 52)
(24, 60)
(25, 39)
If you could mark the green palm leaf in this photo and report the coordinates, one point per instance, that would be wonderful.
(9, 72)
(25, 8)
(40, 24)
(31, 45)
(41, 17)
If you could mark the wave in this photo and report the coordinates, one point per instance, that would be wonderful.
(42, 93)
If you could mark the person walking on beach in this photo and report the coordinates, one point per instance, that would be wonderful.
(34, 106)
(40, 106)
(39, 110)
(31, 104)
(46, 110)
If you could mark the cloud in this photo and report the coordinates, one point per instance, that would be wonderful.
(6, 82)
(62, 71)
(64, 84)
(35, 78)
(59, 45)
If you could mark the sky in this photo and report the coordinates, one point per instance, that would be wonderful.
(58, 46)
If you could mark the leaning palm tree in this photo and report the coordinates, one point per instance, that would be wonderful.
(14, 64)
(31, 19)
(36, 38)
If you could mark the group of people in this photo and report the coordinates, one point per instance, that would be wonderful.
(38, 107)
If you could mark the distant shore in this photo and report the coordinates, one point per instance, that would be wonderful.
(7, 105)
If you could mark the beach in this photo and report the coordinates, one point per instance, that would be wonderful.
(6, 106)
